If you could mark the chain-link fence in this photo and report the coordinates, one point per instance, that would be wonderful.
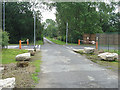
(108, 41)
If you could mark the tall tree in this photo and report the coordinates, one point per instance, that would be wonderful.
(83, 17)
(50, 28)
(19, 21)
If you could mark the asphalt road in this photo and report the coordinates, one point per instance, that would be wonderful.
(63, 68)
(68, 46)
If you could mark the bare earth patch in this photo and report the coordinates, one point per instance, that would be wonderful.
(22, 75)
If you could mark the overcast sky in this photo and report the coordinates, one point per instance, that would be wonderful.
(48, 14)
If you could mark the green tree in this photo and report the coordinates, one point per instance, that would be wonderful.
(5, 39)
(84, 17)
(19, 21)
(50, 28)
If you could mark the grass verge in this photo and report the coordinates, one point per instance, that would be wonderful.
(60, 42)
(40, 42)
(113, 51)
(56, 41)
(36, 63)
(8, 55)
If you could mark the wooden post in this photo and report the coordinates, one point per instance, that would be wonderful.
(19, 44)
(96, 42)
(78, 41)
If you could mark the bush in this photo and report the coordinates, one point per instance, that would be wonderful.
(5, 38)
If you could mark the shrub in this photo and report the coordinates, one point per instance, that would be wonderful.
(5, 38)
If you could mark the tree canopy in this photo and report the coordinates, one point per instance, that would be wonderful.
(82, 18)
(50, 28)
(85, 17)
(19, 22)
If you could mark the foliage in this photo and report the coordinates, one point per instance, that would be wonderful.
(8, 55)
(50, 28)
(19, 21)
(39, 28)
(5, 38)
(0, 38)
(85, 17)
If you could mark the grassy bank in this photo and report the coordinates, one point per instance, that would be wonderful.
(8, 55)
(113, 51)
(60, 42)
(56, 41)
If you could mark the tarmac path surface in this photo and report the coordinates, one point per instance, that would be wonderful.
(63, 68)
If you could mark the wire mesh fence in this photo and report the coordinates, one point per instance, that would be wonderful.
(108, 41)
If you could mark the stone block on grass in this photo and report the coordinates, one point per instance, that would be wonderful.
(23, 57)
(78, 50)
(89, 50)
(108, 56)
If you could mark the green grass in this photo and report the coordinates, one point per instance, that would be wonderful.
(60, 42)
(40, 42)
(56, 41)
(113, 51)
(8, 55)
(36, 63)
(35, 77)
